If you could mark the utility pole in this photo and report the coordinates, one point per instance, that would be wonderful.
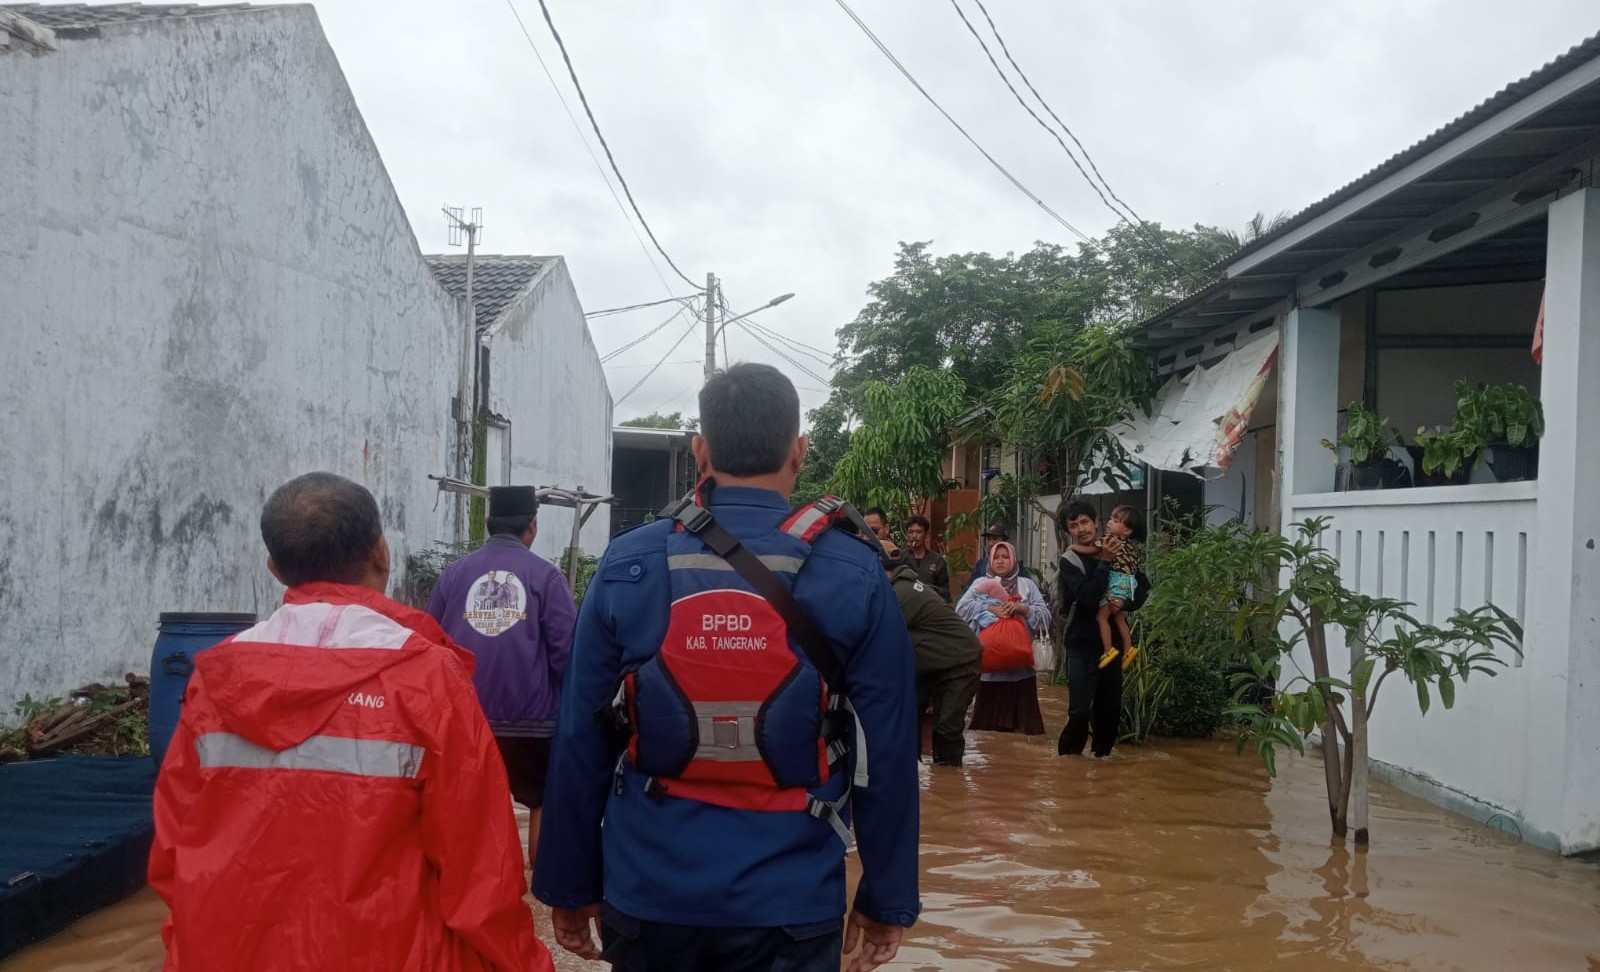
(465, 393)
(711, 325)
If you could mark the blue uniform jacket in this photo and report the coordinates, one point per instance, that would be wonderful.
(664, 859)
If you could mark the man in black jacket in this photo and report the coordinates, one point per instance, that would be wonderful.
(1094, 694)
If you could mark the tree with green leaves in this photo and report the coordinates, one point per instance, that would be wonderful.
(1285, 594)
(1062, 397)
(896, 458)
(829, 439)
(656, 420)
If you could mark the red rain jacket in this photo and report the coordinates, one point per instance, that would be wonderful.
(333, 800)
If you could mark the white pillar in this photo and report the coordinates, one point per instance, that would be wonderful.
(1308, 409)
(1562, 660)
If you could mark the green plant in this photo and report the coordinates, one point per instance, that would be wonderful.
(1143, 691)
(423, 568)
(896, 457)
(587, 564)
(29, 707)
(1198, 584)
(1446, 452)
(1382, 637)
(1195, 697)
(1486, 415)
(1367, 435)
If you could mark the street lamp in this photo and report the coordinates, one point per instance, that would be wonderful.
(774, 302)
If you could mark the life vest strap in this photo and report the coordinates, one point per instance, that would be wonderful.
(829, 810)
(860, 776)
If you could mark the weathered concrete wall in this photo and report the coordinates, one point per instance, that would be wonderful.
(546, 377)
(207, 285)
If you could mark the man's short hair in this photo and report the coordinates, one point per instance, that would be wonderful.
(876, 511)
(1078, 508)
(513, 525)
(919, 520)
(321, 527)
(749, 417)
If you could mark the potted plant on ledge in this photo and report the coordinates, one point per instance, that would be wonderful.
(1505, 421)
(1369, 438)
(1514, 422)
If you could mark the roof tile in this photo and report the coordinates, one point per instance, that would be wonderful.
(497, 280)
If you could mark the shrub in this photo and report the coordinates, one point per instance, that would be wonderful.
(1195, 697)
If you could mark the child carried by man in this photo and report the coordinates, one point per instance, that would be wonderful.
(1127, 528)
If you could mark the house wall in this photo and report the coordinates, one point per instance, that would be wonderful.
(545, 376)
(1416, 387)
(209, 287)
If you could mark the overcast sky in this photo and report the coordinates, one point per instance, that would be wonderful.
(771, 143)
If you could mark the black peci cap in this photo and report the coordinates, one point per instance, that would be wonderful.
(513, 501)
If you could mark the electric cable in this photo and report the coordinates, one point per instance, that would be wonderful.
(1127, 212)
(803, 369)
(588, 148)
(631, 307)
(687, 331)
(883, 49)
(606, 146)
(642, 338)
(800, 346)
(809, 353)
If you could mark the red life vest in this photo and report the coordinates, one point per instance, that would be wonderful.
(729, 712)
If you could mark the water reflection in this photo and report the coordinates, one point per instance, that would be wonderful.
(1178, 857)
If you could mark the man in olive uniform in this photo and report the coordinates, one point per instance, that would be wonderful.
(949, 660)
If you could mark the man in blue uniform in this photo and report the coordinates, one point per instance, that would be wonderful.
(697, 875)
(512, 609)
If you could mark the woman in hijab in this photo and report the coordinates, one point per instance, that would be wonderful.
(1008, 701)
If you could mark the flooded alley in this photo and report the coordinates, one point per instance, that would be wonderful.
(1174, 856)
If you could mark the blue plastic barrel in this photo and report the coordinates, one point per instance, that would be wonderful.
(183, 635)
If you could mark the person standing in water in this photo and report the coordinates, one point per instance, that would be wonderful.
(1008, 701)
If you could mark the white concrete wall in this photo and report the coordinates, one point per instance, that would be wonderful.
(207, 286)
(1560, 744)
(545, 376)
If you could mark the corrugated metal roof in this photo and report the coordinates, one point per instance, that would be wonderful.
(1289, 257)
(1494, 104)
(497, 281)
(65, 16)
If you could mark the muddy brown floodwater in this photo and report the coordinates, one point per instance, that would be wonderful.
(1173, 856)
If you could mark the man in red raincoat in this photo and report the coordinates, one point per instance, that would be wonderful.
(333, 798)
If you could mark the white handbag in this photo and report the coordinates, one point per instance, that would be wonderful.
(1044, 653)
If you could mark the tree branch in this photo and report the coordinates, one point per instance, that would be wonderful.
(1372, 697)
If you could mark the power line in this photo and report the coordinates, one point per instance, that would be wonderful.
(1127, 213)
(784, 355)
(693, 325)
(813, 351)
(984, 152)
(665, 364)
(587, 148)
(618, 310)
(584, 99)
(814, 355)
(643, 337)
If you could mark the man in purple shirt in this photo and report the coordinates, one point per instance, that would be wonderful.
(512, 609)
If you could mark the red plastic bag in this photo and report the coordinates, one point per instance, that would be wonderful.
(1007, 646)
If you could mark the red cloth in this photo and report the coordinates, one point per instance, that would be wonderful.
(1538, 333)
(333, 799)
(1007, 646)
